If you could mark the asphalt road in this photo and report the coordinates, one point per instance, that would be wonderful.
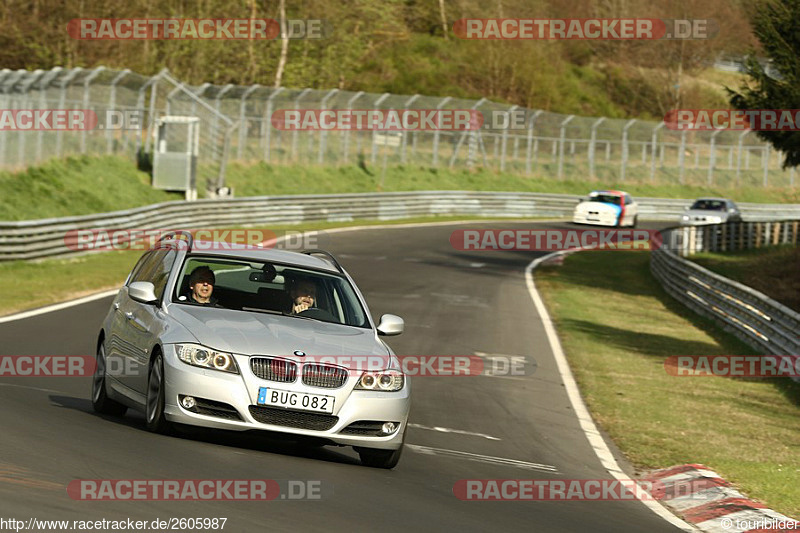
(491, 427)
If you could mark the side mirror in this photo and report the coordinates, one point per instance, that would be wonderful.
(391, 325)
(143, 292)
(686, 208)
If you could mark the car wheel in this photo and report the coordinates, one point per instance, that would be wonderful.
(100, 400)
(155, 419)
(635, 219)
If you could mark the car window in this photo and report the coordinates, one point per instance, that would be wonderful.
(155, 268)
(253, 286)
(709, 205)
(606, 199)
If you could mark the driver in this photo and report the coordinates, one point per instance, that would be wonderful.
(303, 293)
(201, 285)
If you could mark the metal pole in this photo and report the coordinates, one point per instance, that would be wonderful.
(346, 141)
(217, 99)
(530, 139)
(42, 85)
(505, 139)
(33, 77)
(62, 102)
(711, 156)
(405, 134)
(295, 133)
(562, 134)
(436, 134)
(624, 162)
(86, 83)
(243, 121)
(322, 133)
(682, 156)
(653, 142)
(380, 99)
(593, 145)
(268, 123)
(739, 157)
(112, 103)
(766, 164)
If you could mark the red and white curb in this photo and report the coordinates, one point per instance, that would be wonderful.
(702, 498)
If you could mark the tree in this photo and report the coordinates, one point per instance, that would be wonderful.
(775, 26)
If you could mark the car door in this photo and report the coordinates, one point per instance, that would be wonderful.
(141, 323)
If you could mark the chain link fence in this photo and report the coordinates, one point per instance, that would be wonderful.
(235, 125)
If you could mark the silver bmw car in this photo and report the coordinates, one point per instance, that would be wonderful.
(245, 338)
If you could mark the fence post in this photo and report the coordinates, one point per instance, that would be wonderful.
(766, 163)
(436, 133)
(682, 157)
(653, 145)
(62, 102)
(505, 139)
(561, 136)
(243, 120)
(112, 103)
(324, 132)
(33, 77)
(296, 133)
(217, 98)
(593, 145)
(739, 157)
(268, 124)
(86, 85)
(625, 148)
(346, 141)
(406, 133)
(530, 141)
(712, 156)
(378, 102)
(42, 86)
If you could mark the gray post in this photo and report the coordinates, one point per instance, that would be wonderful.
(472, 144)
(405, 133)
(712, 156)
(323, 132)
(112, 103)
(436, 133)
(268, 124)
(505, 139)
(530, 139)
(682, 156)
(243, 120)
(378, 102)
(42, 85)
(62, 102)
(593, 145)
(561, 136)
(624, 162)
(153, 95)
(766, 164)
(220, 94)
(24, 87)
(653, 142)
(86, 83)
(296, 133)
(346, 141)
(739, 157)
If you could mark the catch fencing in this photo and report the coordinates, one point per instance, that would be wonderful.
(235, 125)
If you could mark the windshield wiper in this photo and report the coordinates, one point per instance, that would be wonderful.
(274, 312)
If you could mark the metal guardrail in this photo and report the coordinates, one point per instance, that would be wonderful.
(46, 238)
(756, 319)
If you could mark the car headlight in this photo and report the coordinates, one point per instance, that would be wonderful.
(387, 381)
(197, 355)
(685, 218)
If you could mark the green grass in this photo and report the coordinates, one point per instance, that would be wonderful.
(618, 326)
(772, 270)
(76, 186)
(84, 185)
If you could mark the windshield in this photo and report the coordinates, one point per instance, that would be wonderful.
(709, 205)
(268, 288)
(606, 199)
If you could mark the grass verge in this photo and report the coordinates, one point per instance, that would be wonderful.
(617, 326)
(772, 270)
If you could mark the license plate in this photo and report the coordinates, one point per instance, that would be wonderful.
(592, 219)
(295, 400)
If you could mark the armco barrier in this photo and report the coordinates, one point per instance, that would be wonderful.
(759, 321)
(45, 238)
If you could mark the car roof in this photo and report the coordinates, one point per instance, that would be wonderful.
(255, 253)
(612, 192)
(707, 199)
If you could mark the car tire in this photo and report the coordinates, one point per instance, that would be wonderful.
(635, 219)
(100, 401)
(154, 405)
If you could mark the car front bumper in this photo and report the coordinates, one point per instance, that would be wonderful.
(240, 391)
